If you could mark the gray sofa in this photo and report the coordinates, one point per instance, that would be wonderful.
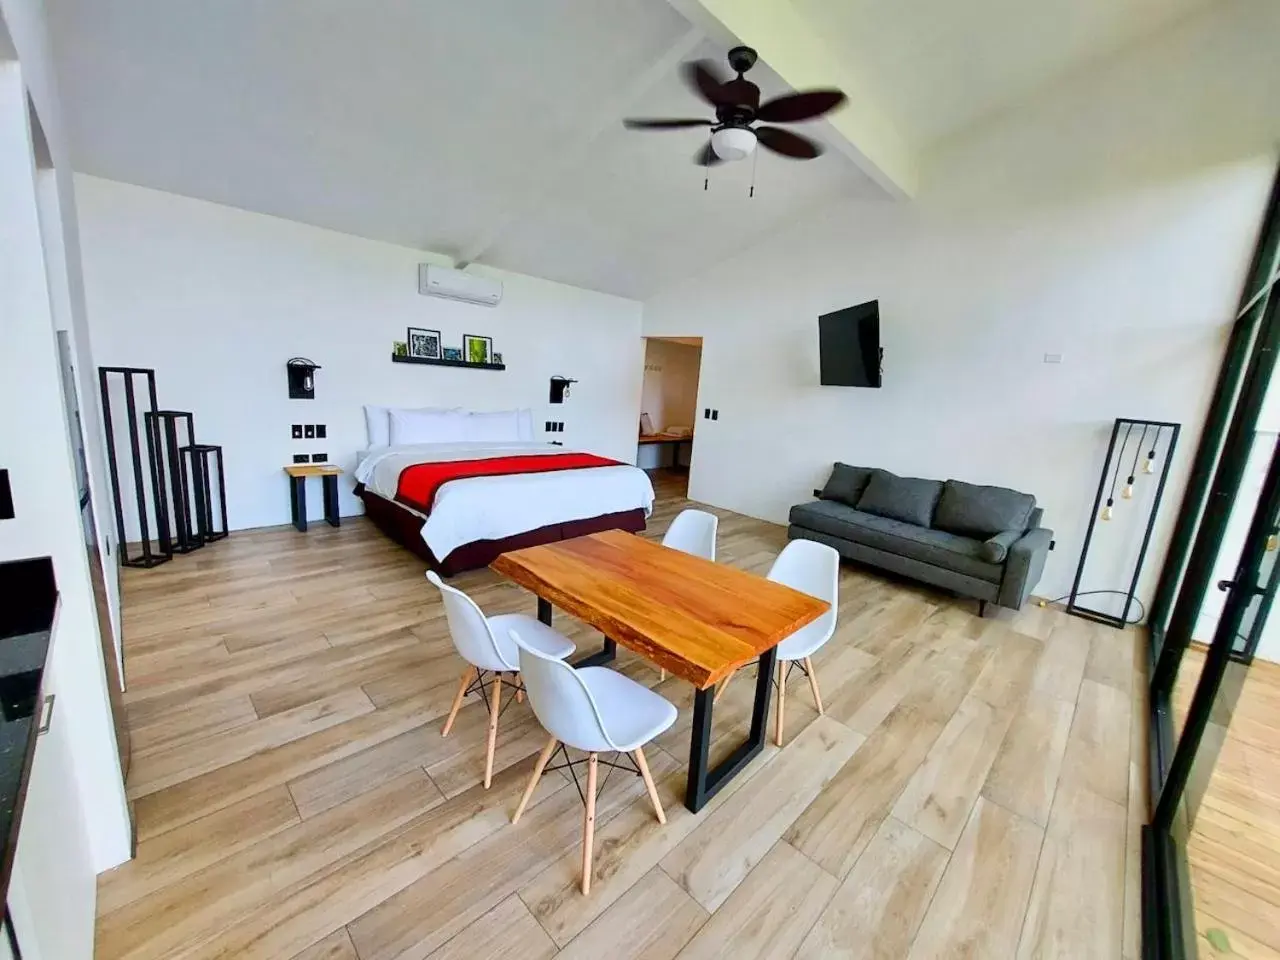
(981, 542)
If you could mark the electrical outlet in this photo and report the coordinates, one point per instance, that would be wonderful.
(297, 431)
(300, 458)
(309, 431)
(319, 457)
(546, 427)
(321, 431)
(715, 414)
(706, 413)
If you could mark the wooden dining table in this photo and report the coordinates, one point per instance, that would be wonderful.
(697, 619)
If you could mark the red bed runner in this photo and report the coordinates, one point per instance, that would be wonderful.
(418, 484)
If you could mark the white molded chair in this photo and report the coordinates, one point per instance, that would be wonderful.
(693, 531)
(485, 643)
(812, 568)
(595, 710)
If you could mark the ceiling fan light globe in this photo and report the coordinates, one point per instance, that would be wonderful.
(733, 143)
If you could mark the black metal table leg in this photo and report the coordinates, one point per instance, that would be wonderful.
(605, 654)
(298, 502)
(544, 611)
(703, 783)
(331, 500)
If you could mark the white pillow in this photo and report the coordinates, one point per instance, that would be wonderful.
(377, 425)
(377, 421)
(502, 426)
(427, 426)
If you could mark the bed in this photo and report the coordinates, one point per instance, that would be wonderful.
(458, 488)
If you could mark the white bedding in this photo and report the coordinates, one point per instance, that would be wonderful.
(491, 508)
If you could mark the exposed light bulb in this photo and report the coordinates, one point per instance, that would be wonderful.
(1149, 465)
(1106, 511)
(1127, 491)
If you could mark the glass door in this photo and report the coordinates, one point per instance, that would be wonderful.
(1182, 918)
(1210, 616)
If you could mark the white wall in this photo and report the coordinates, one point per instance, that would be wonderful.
(1110, 221)
(34, 443)
(218, 299)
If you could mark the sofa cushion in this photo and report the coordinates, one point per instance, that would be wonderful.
(908, 499)
(934, 547)
(995, 549)
(976, 511)
(846, 484)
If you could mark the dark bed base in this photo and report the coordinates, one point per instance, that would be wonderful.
(404, 527)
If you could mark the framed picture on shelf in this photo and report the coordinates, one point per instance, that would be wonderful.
(423, 344)
(477, 349)
(400, 348)
(497, 358)
(452, 353)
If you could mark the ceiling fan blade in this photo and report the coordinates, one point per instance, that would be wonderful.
(706, 157)
(663, 124)
(794, 107)
(787, 143)
(703, 81)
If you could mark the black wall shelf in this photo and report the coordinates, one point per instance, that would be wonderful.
(448, 363)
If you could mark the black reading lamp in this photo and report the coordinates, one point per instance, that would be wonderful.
(560, 388)
(302, 381)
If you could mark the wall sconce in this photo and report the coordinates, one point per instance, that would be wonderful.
(560, 388)
(302, 381)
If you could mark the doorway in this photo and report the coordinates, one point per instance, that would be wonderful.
(669, 410)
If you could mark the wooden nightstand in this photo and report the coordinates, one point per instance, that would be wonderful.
(298, 473)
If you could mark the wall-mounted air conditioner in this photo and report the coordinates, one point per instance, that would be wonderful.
(437, 281)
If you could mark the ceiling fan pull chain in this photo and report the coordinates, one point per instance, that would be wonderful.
(755, 160)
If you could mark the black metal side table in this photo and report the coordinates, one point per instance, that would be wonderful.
(298, 474)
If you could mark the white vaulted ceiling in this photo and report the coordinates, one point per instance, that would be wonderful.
(489, 127)
(491, 130)
(939, 66)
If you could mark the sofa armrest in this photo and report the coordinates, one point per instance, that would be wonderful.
(1023, 567)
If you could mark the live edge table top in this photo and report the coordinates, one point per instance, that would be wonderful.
(697, 619)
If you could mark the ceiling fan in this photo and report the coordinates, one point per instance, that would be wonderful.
(737, 104)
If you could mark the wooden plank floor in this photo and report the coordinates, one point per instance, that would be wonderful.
(1233, 847)
(967, 794)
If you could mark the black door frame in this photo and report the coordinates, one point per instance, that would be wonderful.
(1215, 479)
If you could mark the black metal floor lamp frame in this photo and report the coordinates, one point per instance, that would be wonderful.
(147, 557)
(164, 425)
(1110, 472)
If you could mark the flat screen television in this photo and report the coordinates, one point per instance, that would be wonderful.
(849, 346)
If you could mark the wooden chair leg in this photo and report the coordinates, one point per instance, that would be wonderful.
(468, 675)
(782, 700)
(649, 784)
(538, 767)
(589, 824)
(813, 684)
(724, 685)
(515, 678)
(495, 701)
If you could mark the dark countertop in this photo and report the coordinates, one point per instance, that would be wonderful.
(28, 603)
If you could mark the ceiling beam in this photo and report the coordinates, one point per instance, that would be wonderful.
(794, 50)
(543, 181)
